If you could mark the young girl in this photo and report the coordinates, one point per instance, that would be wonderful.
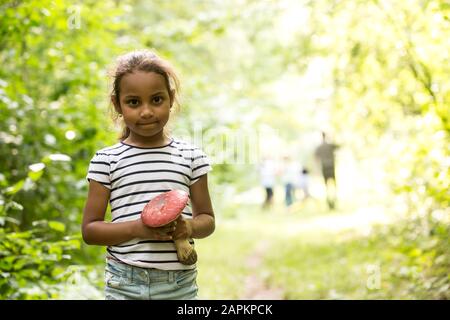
(142, 262)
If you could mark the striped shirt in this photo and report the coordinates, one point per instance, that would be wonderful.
(134, 176)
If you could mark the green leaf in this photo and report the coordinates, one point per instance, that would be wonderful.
(36, 171)
(35, 176)
(20, 263)
(58, 272)
(10, 219)
(56, 250)
(30, 273)
(56, 225)
(3, 180)
(19, 235)
(15, 188)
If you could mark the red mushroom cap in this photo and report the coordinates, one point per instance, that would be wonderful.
(164, 208)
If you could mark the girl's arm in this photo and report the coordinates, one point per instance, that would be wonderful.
(98, 232)
(202, 223)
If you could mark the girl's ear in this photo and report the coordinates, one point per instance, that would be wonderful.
(116, 104)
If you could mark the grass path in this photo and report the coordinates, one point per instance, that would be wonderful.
(256, 287)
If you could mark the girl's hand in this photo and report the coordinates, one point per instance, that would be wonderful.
(140, 230)
(183, 229)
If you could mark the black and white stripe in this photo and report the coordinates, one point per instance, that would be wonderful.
(134, 176)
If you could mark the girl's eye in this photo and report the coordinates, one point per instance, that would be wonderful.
(157, 100)
(133, 102)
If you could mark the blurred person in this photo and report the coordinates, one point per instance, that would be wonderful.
(303, 182)
(267, 172)
(325, 154)
(289, 172)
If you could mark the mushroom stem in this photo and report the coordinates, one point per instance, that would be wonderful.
(185, 252)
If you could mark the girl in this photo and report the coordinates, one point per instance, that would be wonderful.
(142, 262)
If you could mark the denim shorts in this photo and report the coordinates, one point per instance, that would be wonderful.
(126, 282)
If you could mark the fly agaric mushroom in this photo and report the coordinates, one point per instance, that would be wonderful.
(162, 210)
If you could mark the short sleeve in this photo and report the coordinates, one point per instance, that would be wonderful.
(200, 165)
(99, 169)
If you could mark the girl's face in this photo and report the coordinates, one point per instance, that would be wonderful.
(145, 104)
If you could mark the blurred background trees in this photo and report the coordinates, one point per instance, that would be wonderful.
(373, 73)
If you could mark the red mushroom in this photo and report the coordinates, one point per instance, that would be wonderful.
(164, 209)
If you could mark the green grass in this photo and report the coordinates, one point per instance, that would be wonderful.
(312, 263)
(346, 266)
(222, 256)
(325, 267)
(221, 264)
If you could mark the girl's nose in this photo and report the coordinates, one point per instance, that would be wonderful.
(146, 111)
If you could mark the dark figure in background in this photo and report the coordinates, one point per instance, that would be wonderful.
(325, 154)
(289, 176)
(267, 171)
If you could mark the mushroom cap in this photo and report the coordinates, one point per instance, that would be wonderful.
(164, 208)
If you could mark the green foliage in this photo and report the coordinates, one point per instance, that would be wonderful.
(52, 87)
(31, 259)
(391, 88)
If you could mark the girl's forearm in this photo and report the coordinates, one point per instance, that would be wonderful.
(108, 234)
(202, 226)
